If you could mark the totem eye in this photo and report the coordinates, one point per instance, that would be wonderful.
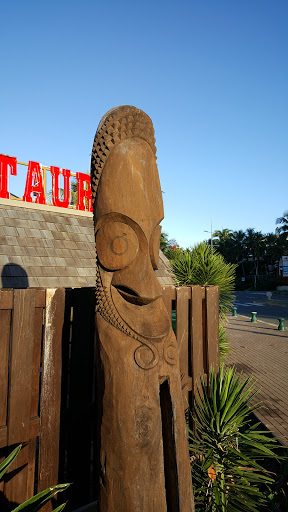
(154, 246)
(116, 244)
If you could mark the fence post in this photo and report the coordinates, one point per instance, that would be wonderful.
(18, 424)
(182, 327)
(51, 390)
(212, 326)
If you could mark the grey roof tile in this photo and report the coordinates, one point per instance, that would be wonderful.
(45, 233)
(49, 282)
(59, 249)
(9, 249)
(21, 232)
(18, 260)
(47, 242)
(9, 230)
(11, 240)
(34, 282)
(58, 235)
(30, 251)
(35, 233)
(50, 225)
(3, 259)
(31, 260)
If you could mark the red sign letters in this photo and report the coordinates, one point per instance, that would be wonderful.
(34, 184)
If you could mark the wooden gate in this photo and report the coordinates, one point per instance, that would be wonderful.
(30, 381)
(47, 381)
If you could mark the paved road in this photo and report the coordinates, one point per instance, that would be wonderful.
(260, 351)
(267, 310)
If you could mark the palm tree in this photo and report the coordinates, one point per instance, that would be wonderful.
(73, 192)
(255, 245)
(283, 230)
(222, 235)
(275, 247)
(224, 242)
(168, 247)
(239, 252)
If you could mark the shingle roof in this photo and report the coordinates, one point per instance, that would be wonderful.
(44, 246)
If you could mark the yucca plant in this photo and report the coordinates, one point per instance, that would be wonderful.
(224, 347)
(226, 451)
(39, 500)
(205, 266)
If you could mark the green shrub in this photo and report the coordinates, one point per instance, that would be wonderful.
(204, 266)
(227, 451)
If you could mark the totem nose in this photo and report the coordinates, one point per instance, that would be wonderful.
(140, 278)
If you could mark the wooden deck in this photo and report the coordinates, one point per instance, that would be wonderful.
(260, 351)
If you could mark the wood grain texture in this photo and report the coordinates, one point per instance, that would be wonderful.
(5, 325)
(36, 359)
(18, 427)
(82, 302)
(51, 390)
(167, 299)
(144, 459)
(212, 326)
(182, 333)
(6, 299)
(196, 341)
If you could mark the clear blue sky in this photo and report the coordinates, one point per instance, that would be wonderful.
(212, 75)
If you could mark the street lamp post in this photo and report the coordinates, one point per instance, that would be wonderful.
(211, 235)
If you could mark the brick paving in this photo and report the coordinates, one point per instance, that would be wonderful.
(260, 351)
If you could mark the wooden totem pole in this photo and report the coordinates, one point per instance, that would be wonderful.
(144, 460)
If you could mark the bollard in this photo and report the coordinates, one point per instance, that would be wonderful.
(234, 312)
(254, 317)
(281, 326)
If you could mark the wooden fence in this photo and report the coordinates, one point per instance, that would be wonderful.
(47, 382)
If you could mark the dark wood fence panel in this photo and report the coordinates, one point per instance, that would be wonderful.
(197, 333)
(48, 382)
(183, 295)
(196, 339)
(20, 376)
(23, 420)
(212, 325)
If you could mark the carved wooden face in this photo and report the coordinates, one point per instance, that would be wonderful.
(129, 210)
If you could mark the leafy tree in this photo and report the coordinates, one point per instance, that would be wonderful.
(222, 235)
(239, 250)
(168, 247)
(275, 246)
(73, 192)
(255, 247)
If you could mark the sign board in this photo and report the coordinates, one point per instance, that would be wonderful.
(34, 184)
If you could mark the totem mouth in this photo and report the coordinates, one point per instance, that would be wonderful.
(131, 296)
